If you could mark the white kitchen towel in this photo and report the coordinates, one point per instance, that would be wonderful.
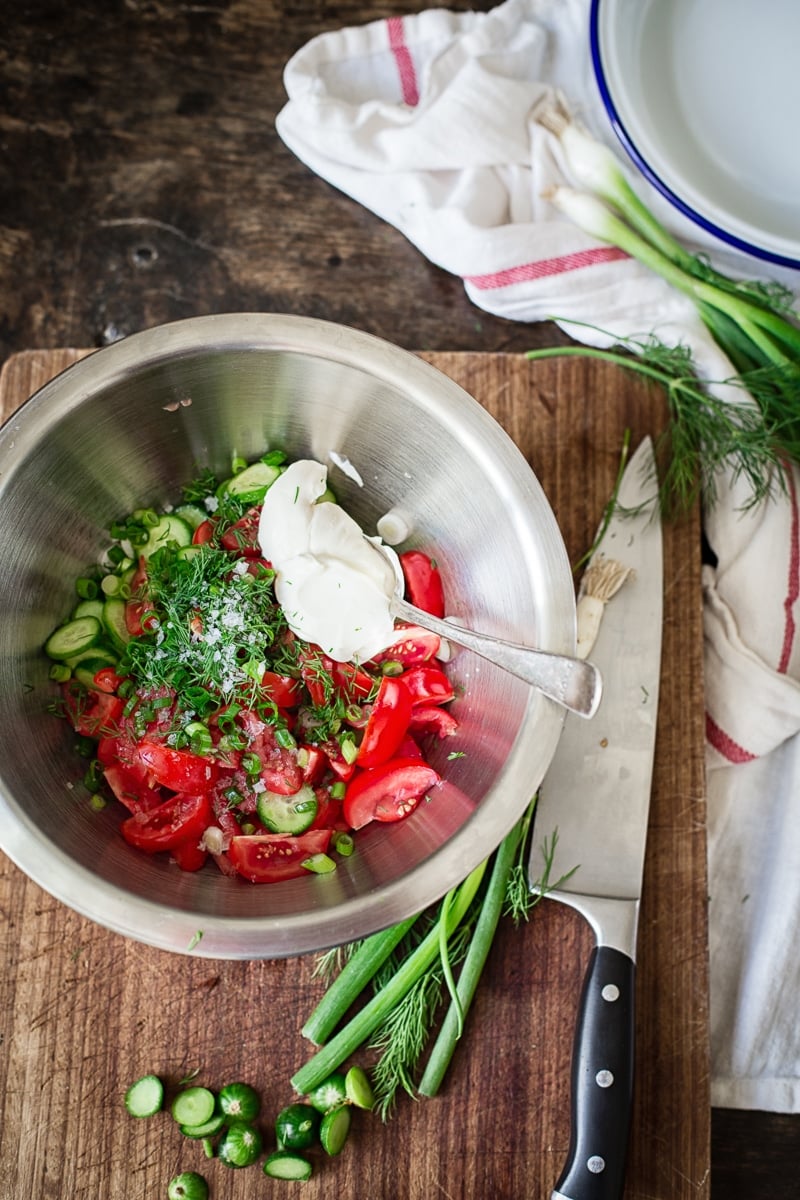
(429, 121)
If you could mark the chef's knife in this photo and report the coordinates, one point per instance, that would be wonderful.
(596, 796)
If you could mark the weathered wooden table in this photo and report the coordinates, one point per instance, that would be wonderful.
(88, 1012)
(141, 180)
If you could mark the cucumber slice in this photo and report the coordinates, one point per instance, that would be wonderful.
(283, 1165)
(88, 608)
(114, 622)
(170, 531)
(100, 651)
(145, 1097)
(213, 1125)
(288, 814)
(250, 485)
(192, 514)
(334, 1128)
(195, 1106)
(358, 1088)
(73, 637)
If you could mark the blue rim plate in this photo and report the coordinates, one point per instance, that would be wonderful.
(704, 96)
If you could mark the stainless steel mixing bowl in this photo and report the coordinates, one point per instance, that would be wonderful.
(126, 427)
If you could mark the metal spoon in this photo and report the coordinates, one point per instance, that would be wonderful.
(571, 682)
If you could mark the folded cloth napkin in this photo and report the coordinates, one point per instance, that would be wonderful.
(429, 121)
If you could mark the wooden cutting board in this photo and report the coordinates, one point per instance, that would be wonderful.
(84, 1011)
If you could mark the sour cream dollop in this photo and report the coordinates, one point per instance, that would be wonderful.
(333, 583)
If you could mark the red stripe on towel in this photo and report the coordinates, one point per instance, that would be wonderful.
(725, 744)
(403, 60)
(546, 266)
(793, 582)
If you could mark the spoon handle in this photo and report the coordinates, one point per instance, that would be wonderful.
(572, 682)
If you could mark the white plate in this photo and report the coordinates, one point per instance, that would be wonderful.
(705, 97)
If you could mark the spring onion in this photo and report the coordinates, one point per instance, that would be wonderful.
(753, 424)
(409, 968)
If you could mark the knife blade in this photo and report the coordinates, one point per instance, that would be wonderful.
(596, 798)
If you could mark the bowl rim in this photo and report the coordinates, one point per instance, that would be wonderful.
(227, 937)
(748, 244)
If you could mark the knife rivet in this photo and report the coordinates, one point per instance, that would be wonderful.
(610, 992)
(596, 1164)
(604, 1078)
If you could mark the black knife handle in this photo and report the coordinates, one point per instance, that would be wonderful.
(602, 1081)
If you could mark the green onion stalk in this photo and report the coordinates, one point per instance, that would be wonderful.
(399, 979)
(756, 426)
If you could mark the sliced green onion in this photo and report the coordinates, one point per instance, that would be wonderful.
(251, 763)
(343, 843)
(86, 588)
(319, 864)
(349, 749)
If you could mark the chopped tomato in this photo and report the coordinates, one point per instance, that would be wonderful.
(132, 787)
(280, 770)
(408, 748)
(414, 645)
(329, 812)
(140, 617)
(336, 760)
(107, 680)
(203, 534)
(316, 670)
(189, 855)
(428, 685)
(423, 582)
(243, 534)
(388, 792)
(429, 719)
(174, 821)
(353, 683)
(283, 690)
(271, 857)
(92, 713)
(387, 724)
(314, 762)
(178, 770)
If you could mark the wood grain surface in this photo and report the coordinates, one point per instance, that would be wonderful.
(84, 1011)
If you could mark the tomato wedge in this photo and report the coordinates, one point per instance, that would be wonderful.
(92, 713)
(203, 534)
(189, 855)
(429, 719)
(388, 792)
(428, 685)
(271, 857)
(414, 645)
(387, 724)
(131, 787)
(283, 690)
(423, 582)
(179, 819)
(178, 770)
(243, 534)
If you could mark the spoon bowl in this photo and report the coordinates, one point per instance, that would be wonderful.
(573, 683)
